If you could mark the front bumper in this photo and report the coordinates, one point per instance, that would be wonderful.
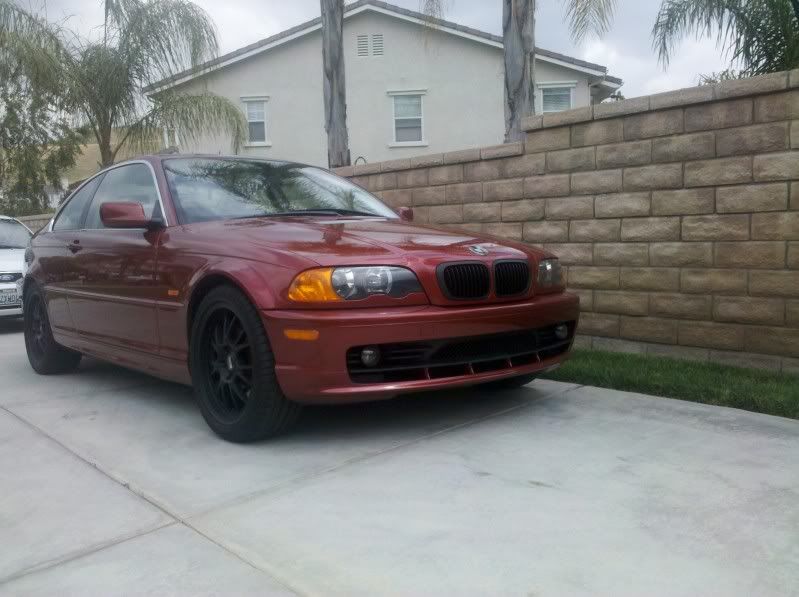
(316, 371)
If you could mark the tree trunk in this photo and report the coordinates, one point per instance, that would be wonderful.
(518, 32)
(338, 151)
(104, 145)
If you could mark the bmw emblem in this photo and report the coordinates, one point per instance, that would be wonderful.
(478, 250)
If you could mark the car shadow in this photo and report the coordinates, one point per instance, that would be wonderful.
(11, 325)
(425, 412)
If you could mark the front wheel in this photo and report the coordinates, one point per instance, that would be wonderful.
(45, 355)
(233, 370)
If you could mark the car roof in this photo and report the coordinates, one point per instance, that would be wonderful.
(213, 156)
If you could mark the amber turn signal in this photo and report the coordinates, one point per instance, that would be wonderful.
(308, 335)
(313, 286)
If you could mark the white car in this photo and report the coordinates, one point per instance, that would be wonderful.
(14, 239)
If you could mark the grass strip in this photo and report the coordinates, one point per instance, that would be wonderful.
(708, 383)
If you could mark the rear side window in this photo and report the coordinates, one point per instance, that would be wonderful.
(126, 183)
(71, 216)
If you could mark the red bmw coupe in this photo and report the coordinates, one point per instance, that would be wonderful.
(267, 284)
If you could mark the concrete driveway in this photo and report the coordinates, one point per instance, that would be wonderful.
(111, 483)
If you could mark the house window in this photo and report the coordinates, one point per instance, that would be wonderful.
(556, 99)
(408, 118)
(255, 109)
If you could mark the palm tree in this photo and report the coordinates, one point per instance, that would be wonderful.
(760, 36)
(335, 97)
(518, 30)
(518, 36)
(144, 41)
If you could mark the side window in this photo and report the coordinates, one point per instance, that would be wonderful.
(256, 120)
(71, 216)
(555, 99)
(126, 183)
(408, 119)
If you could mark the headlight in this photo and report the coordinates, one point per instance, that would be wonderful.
(549, 273)
(328, 284)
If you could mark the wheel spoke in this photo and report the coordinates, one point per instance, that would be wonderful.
(229, 367)
(237, 393)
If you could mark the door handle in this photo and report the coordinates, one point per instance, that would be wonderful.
(75, 246)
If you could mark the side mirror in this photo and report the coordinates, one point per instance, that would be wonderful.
(405, 213)
(125, 214)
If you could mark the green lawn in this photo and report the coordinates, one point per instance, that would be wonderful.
(748, 389)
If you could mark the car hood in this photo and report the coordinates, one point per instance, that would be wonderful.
(11, 260)
(340, 241)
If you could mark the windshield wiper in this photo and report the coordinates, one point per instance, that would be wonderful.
(322, 212)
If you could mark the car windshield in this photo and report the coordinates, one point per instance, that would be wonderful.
(13, 235)
(217, 189)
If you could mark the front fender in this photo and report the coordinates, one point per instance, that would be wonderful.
(259, 282)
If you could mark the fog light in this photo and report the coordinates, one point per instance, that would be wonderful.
(370, 356)
(561, 331)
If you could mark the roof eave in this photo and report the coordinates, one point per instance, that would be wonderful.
(358, 7)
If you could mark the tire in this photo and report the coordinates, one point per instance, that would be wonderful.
(511, 383)
(46, 356)
(233, 370)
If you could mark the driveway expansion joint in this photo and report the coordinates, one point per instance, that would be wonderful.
(175, 519)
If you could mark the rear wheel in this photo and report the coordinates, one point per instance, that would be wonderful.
(510, 383)
(233, 370)
(46, 356)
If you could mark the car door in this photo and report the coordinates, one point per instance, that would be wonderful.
(58, 272)
(115, 301)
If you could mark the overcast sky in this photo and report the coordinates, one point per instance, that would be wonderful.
(626, 50)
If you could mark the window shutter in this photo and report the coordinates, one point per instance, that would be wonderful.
(363, 45)
(377, 44)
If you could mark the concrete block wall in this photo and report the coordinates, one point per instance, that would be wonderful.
(37, 222)
(676, 215)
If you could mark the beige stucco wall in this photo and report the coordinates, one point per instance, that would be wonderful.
(463, 81)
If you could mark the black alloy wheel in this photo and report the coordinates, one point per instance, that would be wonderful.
(233, 370)
(45, 355)
(229, 365)
(38, 321)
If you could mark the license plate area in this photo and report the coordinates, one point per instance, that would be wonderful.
(9, 297)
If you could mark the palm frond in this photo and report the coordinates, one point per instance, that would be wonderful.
(160, 38)
(589, 17)
(30, 47)
(434, 10)
(760, 36)
(192, 115)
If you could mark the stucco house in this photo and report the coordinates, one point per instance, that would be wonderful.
(411, 89)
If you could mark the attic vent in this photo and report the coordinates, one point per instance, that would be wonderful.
(363, 45)
(377, 44)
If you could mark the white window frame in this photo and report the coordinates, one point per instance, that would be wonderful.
(246, 99)
(394, 143)
(554, 85)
